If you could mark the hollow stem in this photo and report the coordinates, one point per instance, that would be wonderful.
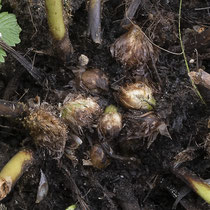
(13, 170)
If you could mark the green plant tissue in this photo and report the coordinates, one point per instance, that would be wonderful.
(9, 31)
(72, 207)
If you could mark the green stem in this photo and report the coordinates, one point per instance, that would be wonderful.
(12, 171)
(55, 18)
(61, 42)
(184, 55)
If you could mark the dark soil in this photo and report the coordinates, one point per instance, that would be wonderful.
(147, 184)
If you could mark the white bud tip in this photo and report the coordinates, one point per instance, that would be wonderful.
(83, 60)
(192, 61)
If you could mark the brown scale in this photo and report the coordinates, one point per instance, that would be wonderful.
(47, 130)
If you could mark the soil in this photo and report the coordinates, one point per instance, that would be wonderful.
(146, 184)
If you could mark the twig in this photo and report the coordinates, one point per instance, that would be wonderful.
(184, 55)
(36, 73)
(202, 8)
(83, 205)
(105, 191)
(129, 14)
(118, 157)
(175, 194)
(32, 20)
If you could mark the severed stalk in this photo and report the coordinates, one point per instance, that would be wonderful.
(45, 127)
(200, 78)
(12, 109)
(13, 170)
(94, 20)
(36, 73)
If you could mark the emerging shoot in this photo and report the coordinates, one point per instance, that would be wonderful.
(200, 186)
(137, 96)
(79, 111)
(110, 124)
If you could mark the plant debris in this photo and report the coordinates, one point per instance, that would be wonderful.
(118, 120)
